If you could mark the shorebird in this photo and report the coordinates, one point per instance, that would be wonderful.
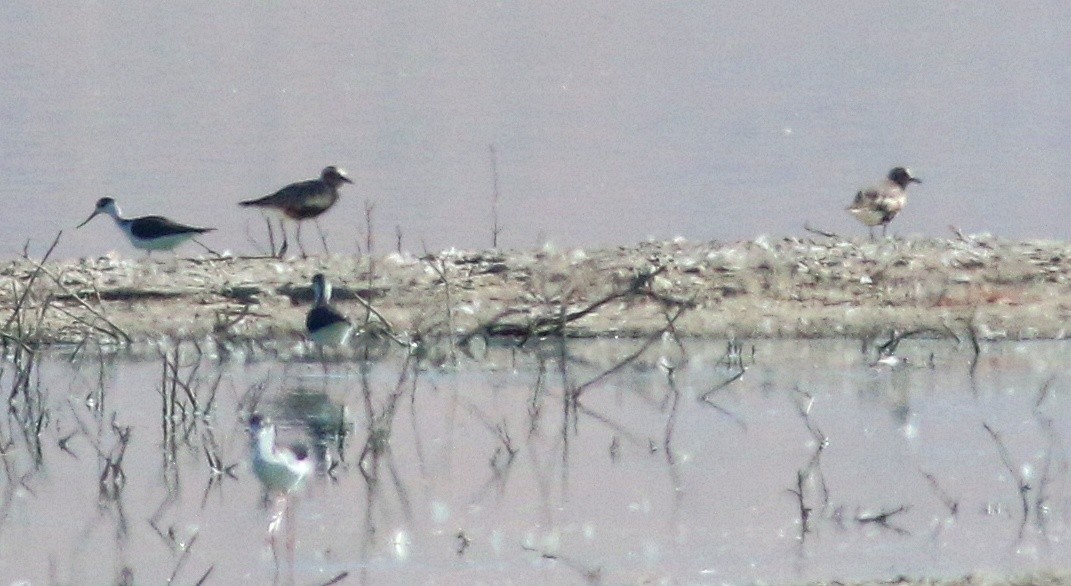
(304, 199)
(281, 470)
(325, 325)
(880, 204)
(147, 233)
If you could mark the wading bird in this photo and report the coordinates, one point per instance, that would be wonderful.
(325, 325)
(304, 200)
(281, 470)
(879, 204)
(147, 233)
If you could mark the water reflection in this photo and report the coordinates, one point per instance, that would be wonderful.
(557, 462)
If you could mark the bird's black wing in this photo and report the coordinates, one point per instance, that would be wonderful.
(322, 317)
(156, 226)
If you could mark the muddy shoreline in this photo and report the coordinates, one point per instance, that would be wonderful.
(976, 287)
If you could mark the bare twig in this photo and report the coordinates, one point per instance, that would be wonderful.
(1021, 484)
(16, 312)
(576, 391)
(495, 228)
(590, 575)
(548, 325)
(805, 511)
(807, 227)
(951, 504)
(882, 518)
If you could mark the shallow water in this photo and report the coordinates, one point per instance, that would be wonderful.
(707, 120)
(483, 472)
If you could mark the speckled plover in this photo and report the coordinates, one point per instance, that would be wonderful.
(880, 204)
(305, 199)
(147, 233)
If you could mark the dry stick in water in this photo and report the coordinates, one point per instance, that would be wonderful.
(708, 400)
(186, 548)
(576, 391)
(1041, 494)
(803, 474)
(1043, 394)
(618, 428)
(573, 394)
(667, 435)
(112, 478)
(504, 453)
(204, 577)
(1022, 486)
(380, 425)
(189, 388)
(821, 442)
(882, 518)
(733, 356)
(951, 504)
(337, 579)
(590, 575)
(805, 511)
(1055, 447)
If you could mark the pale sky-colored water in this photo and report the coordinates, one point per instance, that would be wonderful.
(613, 121)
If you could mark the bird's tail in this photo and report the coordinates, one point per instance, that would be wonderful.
(254, 202)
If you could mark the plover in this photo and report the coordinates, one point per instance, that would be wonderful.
(305, 199)
(880, 204)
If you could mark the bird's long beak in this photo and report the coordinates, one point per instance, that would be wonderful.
(91, 216)
(915, 179)
(347, 179)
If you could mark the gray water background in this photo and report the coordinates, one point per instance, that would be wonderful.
(611, 121)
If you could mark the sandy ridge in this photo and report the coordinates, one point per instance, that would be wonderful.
(765, 288)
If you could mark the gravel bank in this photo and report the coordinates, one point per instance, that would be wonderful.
(766, 288)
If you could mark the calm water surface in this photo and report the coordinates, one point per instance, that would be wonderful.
(482, 471)
(707, 120)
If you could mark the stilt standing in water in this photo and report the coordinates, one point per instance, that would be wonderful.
(281, 471)
(325, 325)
